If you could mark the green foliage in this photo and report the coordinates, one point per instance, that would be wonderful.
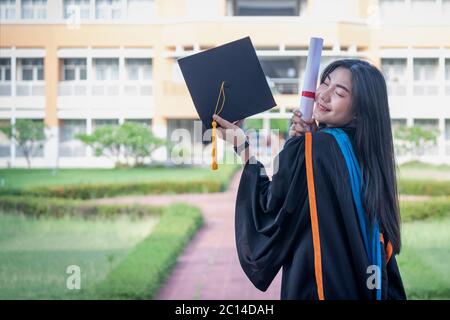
(425, 258)
(25, 179)
(53, 207)
(128, 141)
(29, 135)
(281, 124)
(93, 191)
(253, 124)
(420, 210)
(413, 139)
(424, 187)
(149, 264)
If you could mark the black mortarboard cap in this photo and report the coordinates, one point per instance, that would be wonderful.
(236, 66)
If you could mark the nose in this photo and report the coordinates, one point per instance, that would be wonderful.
(324, 95)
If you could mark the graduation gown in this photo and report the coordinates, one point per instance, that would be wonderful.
(273, 227)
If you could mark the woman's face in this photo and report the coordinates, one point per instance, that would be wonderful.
(334, 99)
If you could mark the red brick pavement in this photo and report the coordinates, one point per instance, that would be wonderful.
(209, 267)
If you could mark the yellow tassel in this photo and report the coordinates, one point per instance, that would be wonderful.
(214, 165)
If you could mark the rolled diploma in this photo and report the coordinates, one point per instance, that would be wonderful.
(310, 78)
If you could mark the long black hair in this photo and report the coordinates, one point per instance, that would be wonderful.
(374, 145)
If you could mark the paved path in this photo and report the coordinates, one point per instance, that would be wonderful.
(208, 267)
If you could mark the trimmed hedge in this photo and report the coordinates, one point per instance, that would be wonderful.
(93, 191)
(54, 207)
(149, 264)
(419, 210)
(424, 187)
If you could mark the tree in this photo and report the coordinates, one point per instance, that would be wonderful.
(414, 140)
(138, 142)
(29, 136)
(104, 141)
(128, 141)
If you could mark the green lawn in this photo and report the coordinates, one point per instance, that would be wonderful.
(35, 253)
(425, 259)
(23, 178)
(423, 171)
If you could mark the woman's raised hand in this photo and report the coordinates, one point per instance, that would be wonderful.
(231, 132)
(300, 126)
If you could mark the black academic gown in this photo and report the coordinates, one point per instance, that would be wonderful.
(273, 227)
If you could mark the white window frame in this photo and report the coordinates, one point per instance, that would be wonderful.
(3, 69)
(37, 8)
(34, 69)
(111, 75)
(84, 8)
(75, 67)
(144, 11)
(7, 9)
(141, 69)
(108, 7)
(391, 71)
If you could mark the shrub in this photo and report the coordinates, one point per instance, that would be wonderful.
(93, 191)
(424, 187)
(419, 210)
(54, 207)
(148, 265)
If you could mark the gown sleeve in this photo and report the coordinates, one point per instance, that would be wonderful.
(264, 226)
(395, 289)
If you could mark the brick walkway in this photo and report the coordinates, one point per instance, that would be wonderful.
(209, 267)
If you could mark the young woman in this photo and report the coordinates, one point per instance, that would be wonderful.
(330, 216)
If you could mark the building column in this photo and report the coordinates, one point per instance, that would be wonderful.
(441, 137)
(51, 69)
(13, 108)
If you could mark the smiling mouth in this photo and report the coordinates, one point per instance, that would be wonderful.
(322, 108)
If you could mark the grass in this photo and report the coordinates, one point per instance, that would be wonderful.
(422, 171)
(120, 258)
(23, 178)
(425, 259)
(35, 252)
(149, 264)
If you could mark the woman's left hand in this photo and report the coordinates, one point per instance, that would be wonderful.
(230, 132)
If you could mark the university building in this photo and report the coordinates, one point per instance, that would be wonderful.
(77, 65)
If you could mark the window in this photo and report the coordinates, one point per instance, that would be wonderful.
(106, 69)
(108, 9)
(38, 151)
(98, 123)
(138, 69)
(446, 9)
(447, 129)
(7, 9)
(425, 76)
(30, 69)
(283, 73)
(73, 69)
(394, 71)
(447, 77)
(389, 9)
(34, 9)
(421, 6)
(428, 125)
(69, 145)
(72, 7)
(140, 9)
(5, 77)
(194, 127)
(5, 69)
(397, 124)
(145, 122)
(5, 143)
(267, 7)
